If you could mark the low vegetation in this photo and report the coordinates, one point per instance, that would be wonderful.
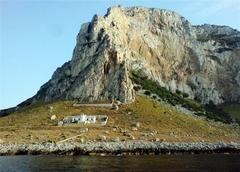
(203, 37)
(157, 120)
(233, 110)
(210, 110)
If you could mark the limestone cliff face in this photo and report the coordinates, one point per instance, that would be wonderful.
(203, 61)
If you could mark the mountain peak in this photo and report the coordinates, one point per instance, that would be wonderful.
(161, 44)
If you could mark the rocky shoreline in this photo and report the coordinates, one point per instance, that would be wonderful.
(118, 148)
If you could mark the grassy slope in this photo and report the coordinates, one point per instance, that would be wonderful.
(33, 124)
(233, 110)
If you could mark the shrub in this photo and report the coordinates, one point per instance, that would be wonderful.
(147, 93)
(178, 92)
(128, 110)
(136, 87)
(202, 37)
(185, 95)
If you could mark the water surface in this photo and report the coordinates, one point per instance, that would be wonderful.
(185, 162)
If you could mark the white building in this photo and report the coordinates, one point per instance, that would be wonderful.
(90, 119)
(85, 119)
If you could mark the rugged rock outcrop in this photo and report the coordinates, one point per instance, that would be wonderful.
(202, 61)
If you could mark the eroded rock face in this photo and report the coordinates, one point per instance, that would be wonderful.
(202, 61)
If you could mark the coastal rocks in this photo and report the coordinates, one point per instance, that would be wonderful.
(114, 129)
(115, 106)
(82, 140)
(137, 124)
(106, 132)
(60, 123)
(132, 137)
(201, 61)
(134, 128)
(83, 130)
(124, 131)
(50, 109)
(117, 139)
(53, 117)
(102, 138)
(141, 147)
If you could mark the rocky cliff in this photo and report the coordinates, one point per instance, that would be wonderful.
(202, 61)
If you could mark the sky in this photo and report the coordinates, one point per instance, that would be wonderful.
(37, 36)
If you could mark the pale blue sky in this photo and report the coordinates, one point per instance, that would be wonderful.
(38, 36)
